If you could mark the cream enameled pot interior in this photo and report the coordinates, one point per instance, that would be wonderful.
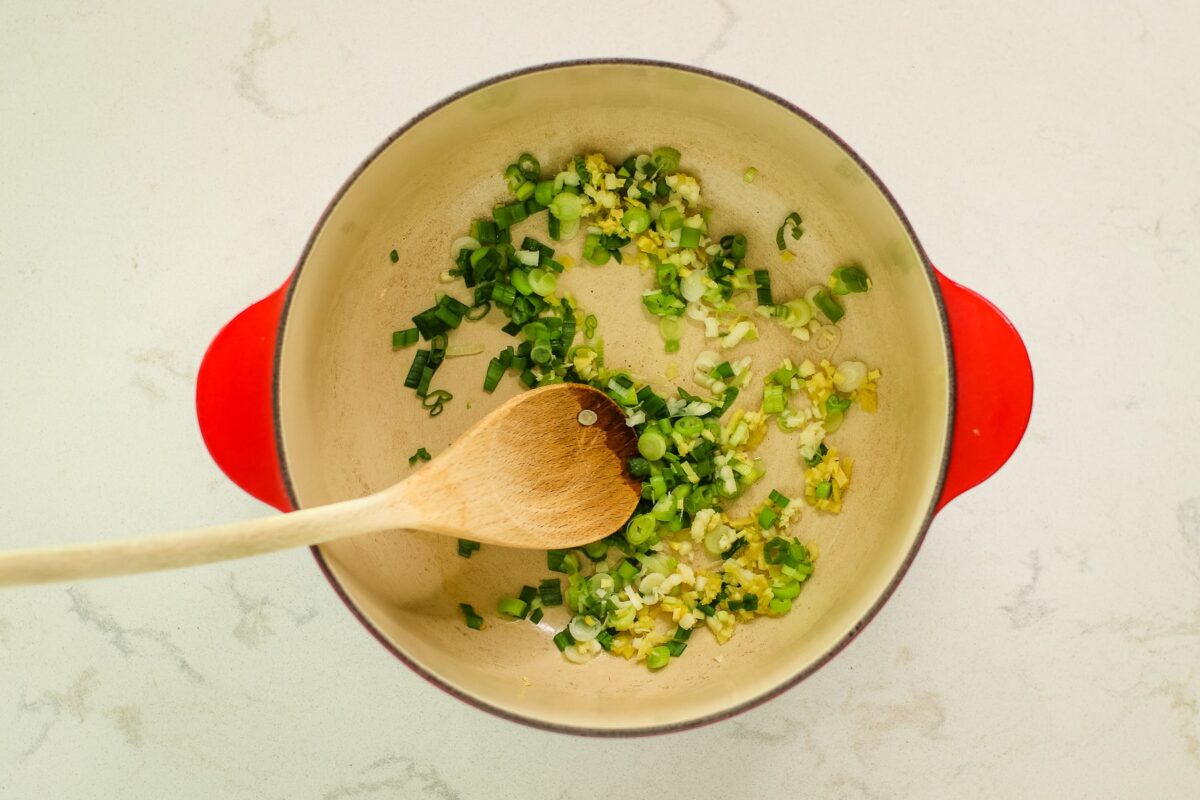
(348, 425)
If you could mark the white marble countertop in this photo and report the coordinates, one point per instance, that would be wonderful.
(162, 168)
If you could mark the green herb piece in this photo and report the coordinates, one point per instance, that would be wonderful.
(474, 621)
(404, 338)
(791, 224)
(849, 280)
(658, 657)
(550, 591)
(512, 607)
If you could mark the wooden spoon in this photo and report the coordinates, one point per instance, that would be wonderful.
(530, 474)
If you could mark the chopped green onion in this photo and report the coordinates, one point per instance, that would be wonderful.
(722, 371)
(836, 402)
(413, 380)
(750, 174)
(585, 177)
(562, 561)
(436, 398)
(849, 280)
(513, 177)
(636, 220)
(566, 206)
(773, 400)
(727, 401)
(541, 352)
(824, 490)
(675, 648)
(658, 657)
(737, 248)
(640, 529)
(791, 224)
(762, 279)
(536, 615)
(495, 372)
(520, 282)
(512, 607)
(504, 294)
(460, 350)
(596, 551)
(689, 427)
(394, 256)
(544, 192)
(665, 158)
(671, 328)
(652, 445)
(478, 311)
(828, 305)
(767, 517)
(474, 621)
(689, 237)
(661, 304)
(484, 231)
(562, 230)
(406, 337)
(421, 455)
(626, 570)
(589, 326)
(550, 592)
(542, 282)
(669, 219)
(563, 639)
(779, 605)
(529, 167)
(525, 191)
(819, 455)
(779, 499)
(787, 589)
(437, 351)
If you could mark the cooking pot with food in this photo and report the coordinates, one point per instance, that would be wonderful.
(301, 398)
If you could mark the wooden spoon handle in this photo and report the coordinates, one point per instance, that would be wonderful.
(199, 546)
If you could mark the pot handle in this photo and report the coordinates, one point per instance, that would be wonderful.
(234, 402)
(994, 386)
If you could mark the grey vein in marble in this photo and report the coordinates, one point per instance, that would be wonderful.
(842, 785)
(254, 628)
(1188, 515)
(128, 720)
(129, 641)
(153, 365)
(75, 701)
(923, 713)
(1183, 701)
(247, 84)
(389, 775)
(782, 732)
(729, 20)
(1026, 608)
